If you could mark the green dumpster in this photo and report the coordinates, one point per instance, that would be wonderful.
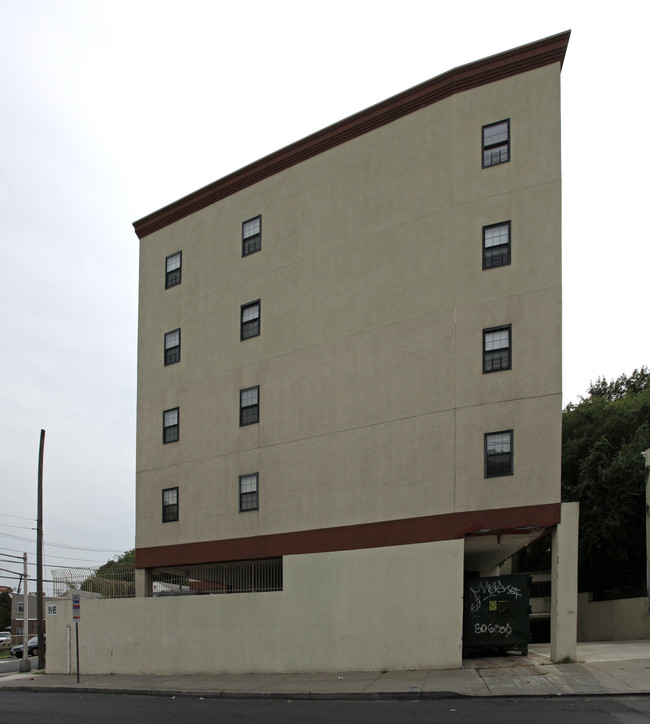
(496, 614)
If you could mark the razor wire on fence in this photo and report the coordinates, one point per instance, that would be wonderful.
(117, 579)
(112, 580)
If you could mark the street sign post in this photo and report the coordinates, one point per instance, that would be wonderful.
(76, 617)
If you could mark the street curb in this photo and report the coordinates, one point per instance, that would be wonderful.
(309, 696)
(276, 695)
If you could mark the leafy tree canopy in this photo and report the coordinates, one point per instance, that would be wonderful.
(126, 558)
(603, 436)
(115, 578)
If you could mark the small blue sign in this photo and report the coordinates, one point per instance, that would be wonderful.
(76, 608)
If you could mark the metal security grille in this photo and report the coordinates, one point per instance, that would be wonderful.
(112, 580)
(235, 577)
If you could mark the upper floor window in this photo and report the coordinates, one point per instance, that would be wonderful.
(170, 425)
(173, 269)
(250, 320)
(498, 454)
(496, 143)
(497, 345)
(248, 492)
(172, 347)
(249, 406)
(169, 505)
(496, 245)
(251, 236)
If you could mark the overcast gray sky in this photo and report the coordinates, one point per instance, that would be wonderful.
(110, 110)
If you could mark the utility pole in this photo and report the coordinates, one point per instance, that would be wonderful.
(25, 663)
(646, 455)
(40, 628)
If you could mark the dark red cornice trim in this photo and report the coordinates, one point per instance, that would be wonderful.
(450, 526)
(481, 72)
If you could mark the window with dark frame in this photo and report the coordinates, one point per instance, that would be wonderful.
(251, 236)
(249, 406)
(173, 265)
(172, 347)
(496, 245)
(497, 349)
(250, 320)
(498, 454)
(496, 143)
(170, 425)
(248, 492)
(169, 505)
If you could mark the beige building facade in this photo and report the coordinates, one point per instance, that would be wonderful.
(349, 376)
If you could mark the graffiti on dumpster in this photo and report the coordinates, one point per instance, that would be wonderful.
(488, 589)
(493, 628)
(496, 612)
(488, 592)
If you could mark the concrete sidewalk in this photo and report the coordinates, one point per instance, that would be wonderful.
(618, 668)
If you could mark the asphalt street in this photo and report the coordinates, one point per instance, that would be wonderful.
(56, 708)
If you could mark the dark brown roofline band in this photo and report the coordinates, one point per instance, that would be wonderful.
(481, 72)
(426, 529)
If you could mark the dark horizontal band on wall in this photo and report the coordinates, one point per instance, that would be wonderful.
(426, 529)
(481, 72)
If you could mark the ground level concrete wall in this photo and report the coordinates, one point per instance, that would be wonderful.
(398, 607)
(624, 619)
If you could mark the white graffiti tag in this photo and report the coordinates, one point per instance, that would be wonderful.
(493, 628)
(488, 589)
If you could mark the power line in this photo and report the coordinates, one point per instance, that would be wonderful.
(8, 570)
(77, 548)
(19, 577)
(64, 545)
(22, 517)
(62, 558)
(68, 558)
(49, 556)
(8, 555)
(17, 537)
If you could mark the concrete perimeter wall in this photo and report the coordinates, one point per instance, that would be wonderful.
(625, 619)
(398, 607)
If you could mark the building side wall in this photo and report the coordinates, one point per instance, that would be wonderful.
(18, 616)
(626, 619)
(349, 610)
(373, 403)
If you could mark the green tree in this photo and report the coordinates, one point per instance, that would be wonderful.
(115, 578)
(603, 436)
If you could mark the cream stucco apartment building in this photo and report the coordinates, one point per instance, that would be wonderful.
(349, 382)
